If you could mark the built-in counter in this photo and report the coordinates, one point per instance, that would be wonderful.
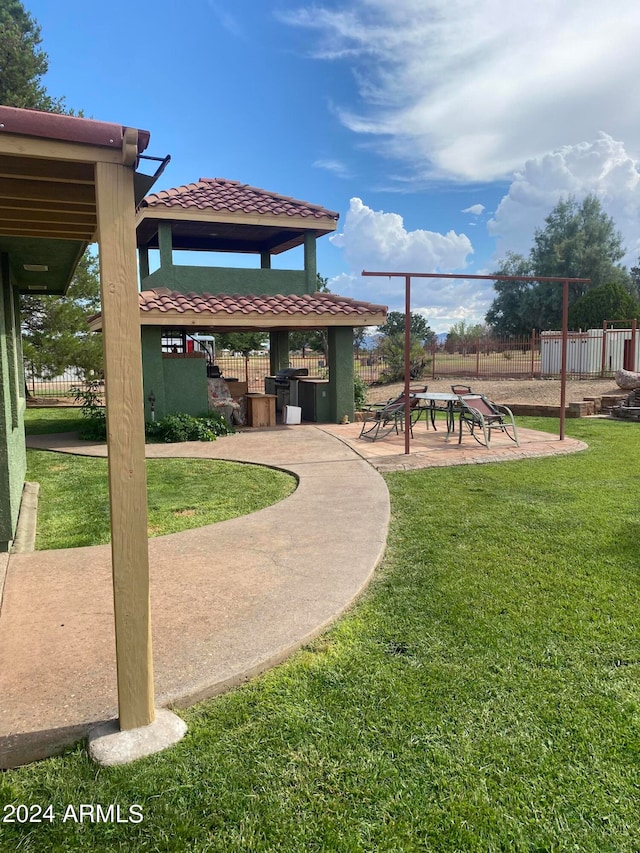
(313, 399)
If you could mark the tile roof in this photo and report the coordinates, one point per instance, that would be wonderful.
(234, 197)
(164, 300)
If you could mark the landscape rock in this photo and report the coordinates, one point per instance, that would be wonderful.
(627, 380)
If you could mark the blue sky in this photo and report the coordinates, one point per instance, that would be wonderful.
(442, 131)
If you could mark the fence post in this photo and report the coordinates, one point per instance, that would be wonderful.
(477, 358)
(433, 359)
(533, 349)
(603, 358)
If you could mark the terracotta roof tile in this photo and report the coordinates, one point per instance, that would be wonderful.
(234, 197)
(164, 300)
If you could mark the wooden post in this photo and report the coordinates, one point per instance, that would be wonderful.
(125, 431)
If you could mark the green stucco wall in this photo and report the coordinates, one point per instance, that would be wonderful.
(185, 385)
(340, 373)
(228, 280)
(178, 383)
(13, 462)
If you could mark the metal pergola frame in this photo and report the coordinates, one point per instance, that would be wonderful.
(407, 326)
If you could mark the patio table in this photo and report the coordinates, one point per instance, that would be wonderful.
(448, 402)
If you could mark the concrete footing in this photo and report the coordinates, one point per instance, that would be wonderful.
(108, 745)
(25, 538)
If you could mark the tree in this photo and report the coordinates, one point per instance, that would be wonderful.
(22, 62)
(56, 334)
(579, 240)
(607, 302)
(244, 342)
(315, 340)
(419, 329)
(392, 345)
(463, 337)
(507, 314)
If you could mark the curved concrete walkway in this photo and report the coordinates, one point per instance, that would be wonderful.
(228, 600)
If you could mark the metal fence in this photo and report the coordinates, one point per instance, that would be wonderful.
(593, 354)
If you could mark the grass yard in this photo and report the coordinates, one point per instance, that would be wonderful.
(73, 504)
(482, 696)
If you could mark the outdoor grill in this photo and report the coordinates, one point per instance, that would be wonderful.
(285, 386)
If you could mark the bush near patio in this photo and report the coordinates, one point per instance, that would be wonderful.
(482, 696)
(171, 428)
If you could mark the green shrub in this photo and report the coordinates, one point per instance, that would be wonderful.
(184, 427)
(94, 425)
(359, 392)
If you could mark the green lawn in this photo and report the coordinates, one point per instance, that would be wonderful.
(482, 696)
(73, 504)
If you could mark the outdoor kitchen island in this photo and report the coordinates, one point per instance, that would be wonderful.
(294, 387)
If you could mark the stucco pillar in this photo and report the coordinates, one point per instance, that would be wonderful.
(310, 264)
(143, 262)
(340, 373)
(165, 245)
(153, 371)
(278, 351)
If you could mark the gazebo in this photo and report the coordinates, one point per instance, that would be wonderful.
(216, 215)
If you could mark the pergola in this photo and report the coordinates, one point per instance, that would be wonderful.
(66, 182)
(407, 326)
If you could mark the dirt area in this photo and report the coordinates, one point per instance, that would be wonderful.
(544, 392)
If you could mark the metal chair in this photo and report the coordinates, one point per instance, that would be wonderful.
(383, 418)
(477, 411)
(461, 389)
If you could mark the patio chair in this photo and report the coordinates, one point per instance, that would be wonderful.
(476, 411)
(383, 418)
(461, 389)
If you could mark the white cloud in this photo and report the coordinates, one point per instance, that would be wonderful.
(602, 167)
(376, 240)
(226, 20)
(442, 302)
(475, 209)
(336, 167)
(470, 90)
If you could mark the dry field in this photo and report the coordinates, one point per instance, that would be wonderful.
(535, 391)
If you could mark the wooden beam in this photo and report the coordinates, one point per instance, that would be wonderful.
(45, 191)
(53, 206)
(19, 216)
(125, 431)
(57, 231)
(46, 170)
(56, 149)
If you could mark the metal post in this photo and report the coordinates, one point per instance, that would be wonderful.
(603, 359)
(565, 339)
(407, 362)
(634, 325)
(533, 345)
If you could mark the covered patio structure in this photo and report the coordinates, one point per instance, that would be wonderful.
(251, 278)
(67, 182)
(178, 381)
